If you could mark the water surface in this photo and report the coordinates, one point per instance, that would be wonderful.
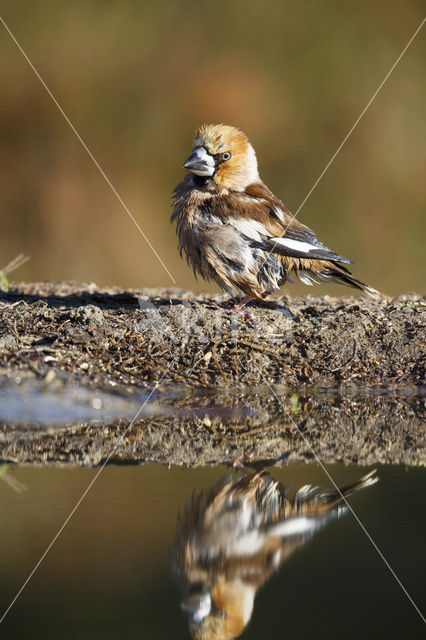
(109, 574)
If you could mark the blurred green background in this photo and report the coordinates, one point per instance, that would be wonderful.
(136, 78)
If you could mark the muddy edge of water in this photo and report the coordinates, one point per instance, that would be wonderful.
(351, 429)
(129, 340)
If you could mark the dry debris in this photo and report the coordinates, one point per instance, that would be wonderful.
(354, 365)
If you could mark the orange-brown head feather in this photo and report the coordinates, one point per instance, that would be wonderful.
(240, 170)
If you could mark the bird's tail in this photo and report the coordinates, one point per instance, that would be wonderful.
(332, 272)
(322, 501)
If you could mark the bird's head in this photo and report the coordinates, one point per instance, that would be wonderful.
(225, 155)
(222, 613)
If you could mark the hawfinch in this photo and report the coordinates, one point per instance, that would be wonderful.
(235, 231)
(233, 537)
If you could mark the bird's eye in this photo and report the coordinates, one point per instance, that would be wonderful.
(226, 156)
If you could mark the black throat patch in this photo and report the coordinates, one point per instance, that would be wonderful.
(200, 181)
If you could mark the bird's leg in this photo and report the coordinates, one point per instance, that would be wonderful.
(233, 305)
(238, 463)
(229, 306)
(238, 306)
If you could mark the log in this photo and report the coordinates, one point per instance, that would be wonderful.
(346, 372)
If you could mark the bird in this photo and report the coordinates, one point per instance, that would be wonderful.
(233, 537)
(236, 232)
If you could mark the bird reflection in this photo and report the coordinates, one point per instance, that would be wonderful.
(232, 538)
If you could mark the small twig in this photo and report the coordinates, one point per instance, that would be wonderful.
(345, 364)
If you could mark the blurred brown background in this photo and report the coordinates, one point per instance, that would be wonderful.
(136, 78)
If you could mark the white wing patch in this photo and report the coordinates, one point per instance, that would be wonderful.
(294, 526)
(295, 245)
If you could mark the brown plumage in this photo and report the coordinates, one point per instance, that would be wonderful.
(235, 231)
(232, 538)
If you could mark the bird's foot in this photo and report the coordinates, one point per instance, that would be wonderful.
(239, 306)
(238, 463)
(229, 306)
(232, 306)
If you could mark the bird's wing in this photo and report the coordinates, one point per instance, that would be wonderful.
(265, 222)
(300, 244)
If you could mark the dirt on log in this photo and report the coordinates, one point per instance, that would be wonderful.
(140, 337)
(346, 373)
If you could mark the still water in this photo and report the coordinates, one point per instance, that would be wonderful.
(112, 572)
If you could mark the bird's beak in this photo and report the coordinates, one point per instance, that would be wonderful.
(197, 606)
(200, 162)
